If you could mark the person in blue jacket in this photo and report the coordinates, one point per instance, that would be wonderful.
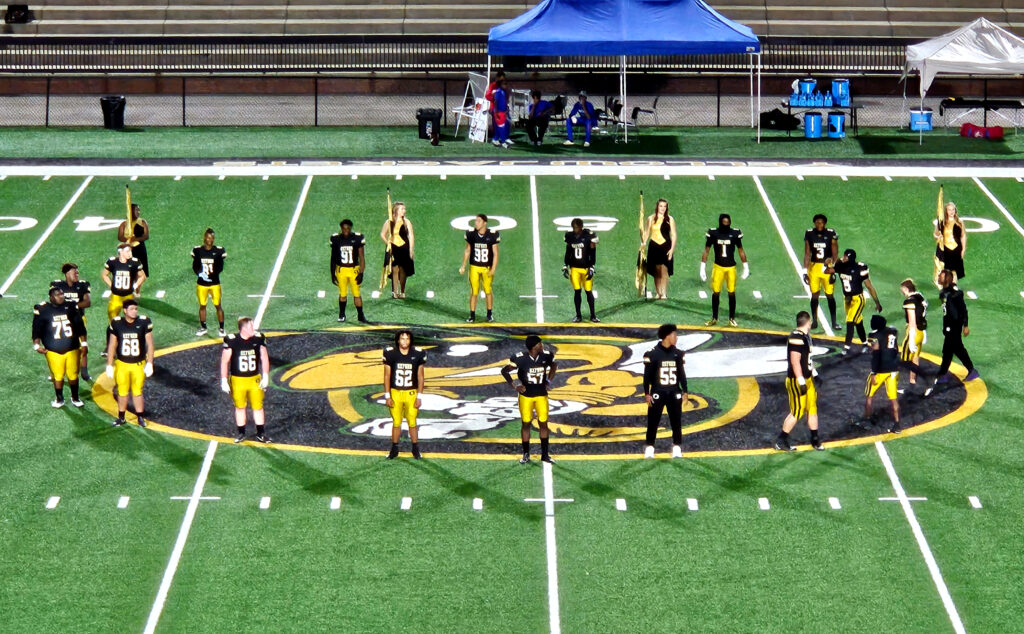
(539, 116)
(499, 114)
(582, 114)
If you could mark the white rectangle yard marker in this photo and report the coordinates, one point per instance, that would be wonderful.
(757, 294)
(430, 294)
(406, 504)
(161, 294)
(335, 503)
(375, 295)
(668, 177)
(799, 177)
(975, 502)
(266, 177)
(221, 177)
(888, 178)
(620, 504)
(711, 177)
(321, 294)
(702, 294)
(264, 503)
(122, 502)
(972, 295)
(762, 503)
(834, 503)
(106, 293)
(478, 504)
(691, 504)
(53, 502)
(47, 177)
(444, 177)
(178, 177)
(622, 177)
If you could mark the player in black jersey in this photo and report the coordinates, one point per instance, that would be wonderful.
(915, 308)
(245, 375)
(348, 263)
(124, 275)
(207, 264)
(665, 389)
(482, 255)
(854, 277)
(726, 241)
(535, 368)
(403, 382)
(130, 359)
(800, 377)
(58, 333)
(578, 266)
(885, 363)
(821, 247)
(76, 291)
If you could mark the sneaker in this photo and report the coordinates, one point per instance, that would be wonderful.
(928, 391)
(118, 422)
(506, 144)
(57, 403)
(103, 354)
(732, 322)
(894, 428)
(547, 458)
(470, 320)
(648, 452)
(711, 322)
(362, 319)
(416, 453)
(525, 459)
(510, 141)
(263, 438)
(972, 375)
(201, 332)
(567, 142)
(595, 320)
(85, 375)
(846, 351)
(782, 444)
(866, 349)
(677, 451)
(221, 333)
(495, 142)
(817, 445)
(577, 319)
(77, 403)
(490, 319)
(239, 437)
(393, 453)
(142, 421)
(586, 144)
(836, 326)
(341, 319)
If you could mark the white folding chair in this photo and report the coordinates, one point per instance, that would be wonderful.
(476, 88)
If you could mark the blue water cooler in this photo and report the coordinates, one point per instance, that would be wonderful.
(812, 125)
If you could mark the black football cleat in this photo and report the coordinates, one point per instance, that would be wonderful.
(470, 320)
(814, 325)
(393, 453)
(817, 445)
(595, 320)
(263, 438)
(782, 444)
(239, 437)
(894, 428)
(577, 319)
(546, 458)
(416, 453)
(490, 319)
(525, 459)
(85, 375)
(118, 422)
(142, 421)
(836, 327)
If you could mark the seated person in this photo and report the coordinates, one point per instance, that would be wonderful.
(582, 114)
(539, 116)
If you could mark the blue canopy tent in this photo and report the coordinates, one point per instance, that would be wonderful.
(626, 27)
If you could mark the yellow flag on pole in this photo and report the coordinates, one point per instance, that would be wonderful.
(385, 273)
(129, 228)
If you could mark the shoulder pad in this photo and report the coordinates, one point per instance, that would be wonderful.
(518, 355)
(257, 333)
(135, 259)
(335, 235)
(738, 232)
(118, 318)
(389, 348)
(230, 337)
(198, 246)
(55, 283)
(143, 318)
(417, 349)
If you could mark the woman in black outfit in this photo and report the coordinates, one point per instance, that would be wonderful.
(398, 233)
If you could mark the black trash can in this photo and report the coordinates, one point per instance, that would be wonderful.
(429, 120)
(113, 112)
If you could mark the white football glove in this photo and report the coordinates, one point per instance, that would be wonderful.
(225, 386)
(110, 371)
(703, 271)
(265, 382)
(147, 370)
(913, 345)
(746, 271)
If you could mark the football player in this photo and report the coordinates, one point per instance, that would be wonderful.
(665, 389)
(915, 308)
(726, 241)
(58, 333)
(885, 359)
(800, 377)
(482, 255)
(76, 291)
(535, 368)
(578, 268)
(207, 264)
(853, 275)
(821, 246)
(403, 381)
(130, 346)
(245, 375)
(124, 275)
(348, 263)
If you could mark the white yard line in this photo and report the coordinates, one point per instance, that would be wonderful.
(825, 323)
(554, 618)
(915, 527)
(999, 206)
(280, 256)
(179, 544)
(535, 215)
(43, 238)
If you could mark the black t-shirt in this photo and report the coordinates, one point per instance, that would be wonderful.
(954, 309)
(533, 373)
(821, 243)
(887, 357)
(405, 368)
(57, 326)
(799, 342)
(580, 249)
(131, 338)
(851, 275)
(246, 354)
(724, 242)
(482, 247)
(345, 249)
(917, 302)
(208, 262)
(663, 371)
(123, 275)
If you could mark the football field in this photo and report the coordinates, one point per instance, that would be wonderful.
(174, 528)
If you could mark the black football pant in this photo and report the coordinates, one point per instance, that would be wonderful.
(953, 344)
(674, 406)
(536, 127)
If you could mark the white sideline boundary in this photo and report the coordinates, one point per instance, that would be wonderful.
(45, 236)
(922, 543)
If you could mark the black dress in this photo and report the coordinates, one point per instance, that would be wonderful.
(139, 251)
(657, 254)
(400, 254)
(951, 259)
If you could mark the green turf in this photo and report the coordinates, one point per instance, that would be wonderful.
(441, 566)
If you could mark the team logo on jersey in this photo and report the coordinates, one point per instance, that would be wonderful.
(327, 391)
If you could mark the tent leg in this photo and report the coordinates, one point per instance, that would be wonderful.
(750, 76)
(488, 75)
(622, 98)
(758, 97)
